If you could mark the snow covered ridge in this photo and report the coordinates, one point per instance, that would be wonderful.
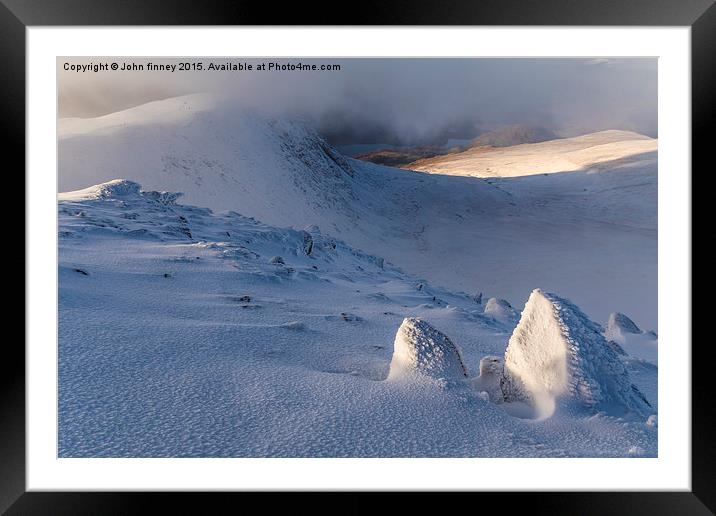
(590, 152)
(556, 353)
(121, 207)
(214, 153)
(172, 110)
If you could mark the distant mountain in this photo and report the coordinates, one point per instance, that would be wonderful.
(402, 156)
(603, 150)
(513, 135)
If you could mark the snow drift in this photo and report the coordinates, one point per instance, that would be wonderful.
(557, 354)
(421, 349)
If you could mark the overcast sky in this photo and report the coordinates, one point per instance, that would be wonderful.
(399, 101)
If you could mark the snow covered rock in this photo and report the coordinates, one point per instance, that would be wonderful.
(118, 189)
(616, 348)
(499, 309)
(623, 334)
(618, 325)
(110, 189)
(557, 353)
(421, 349)
(307, 246)
(489, 379)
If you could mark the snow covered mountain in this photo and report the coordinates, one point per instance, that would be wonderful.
(591, 152)
(187, 333)
(221, 158)
(589, 234)
(512, 135)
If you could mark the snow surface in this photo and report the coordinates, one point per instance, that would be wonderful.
(181, 334)
(587, 229)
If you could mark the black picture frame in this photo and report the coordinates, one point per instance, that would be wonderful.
(16, 15)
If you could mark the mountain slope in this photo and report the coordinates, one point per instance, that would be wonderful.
(589, 236)
(222, 158)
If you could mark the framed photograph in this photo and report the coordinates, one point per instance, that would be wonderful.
(432, 250)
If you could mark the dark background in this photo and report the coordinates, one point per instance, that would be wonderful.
(15, 15)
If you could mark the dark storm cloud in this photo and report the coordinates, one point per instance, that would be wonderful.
(404, 101)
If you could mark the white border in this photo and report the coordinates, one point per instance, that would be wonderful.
(670, 471)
